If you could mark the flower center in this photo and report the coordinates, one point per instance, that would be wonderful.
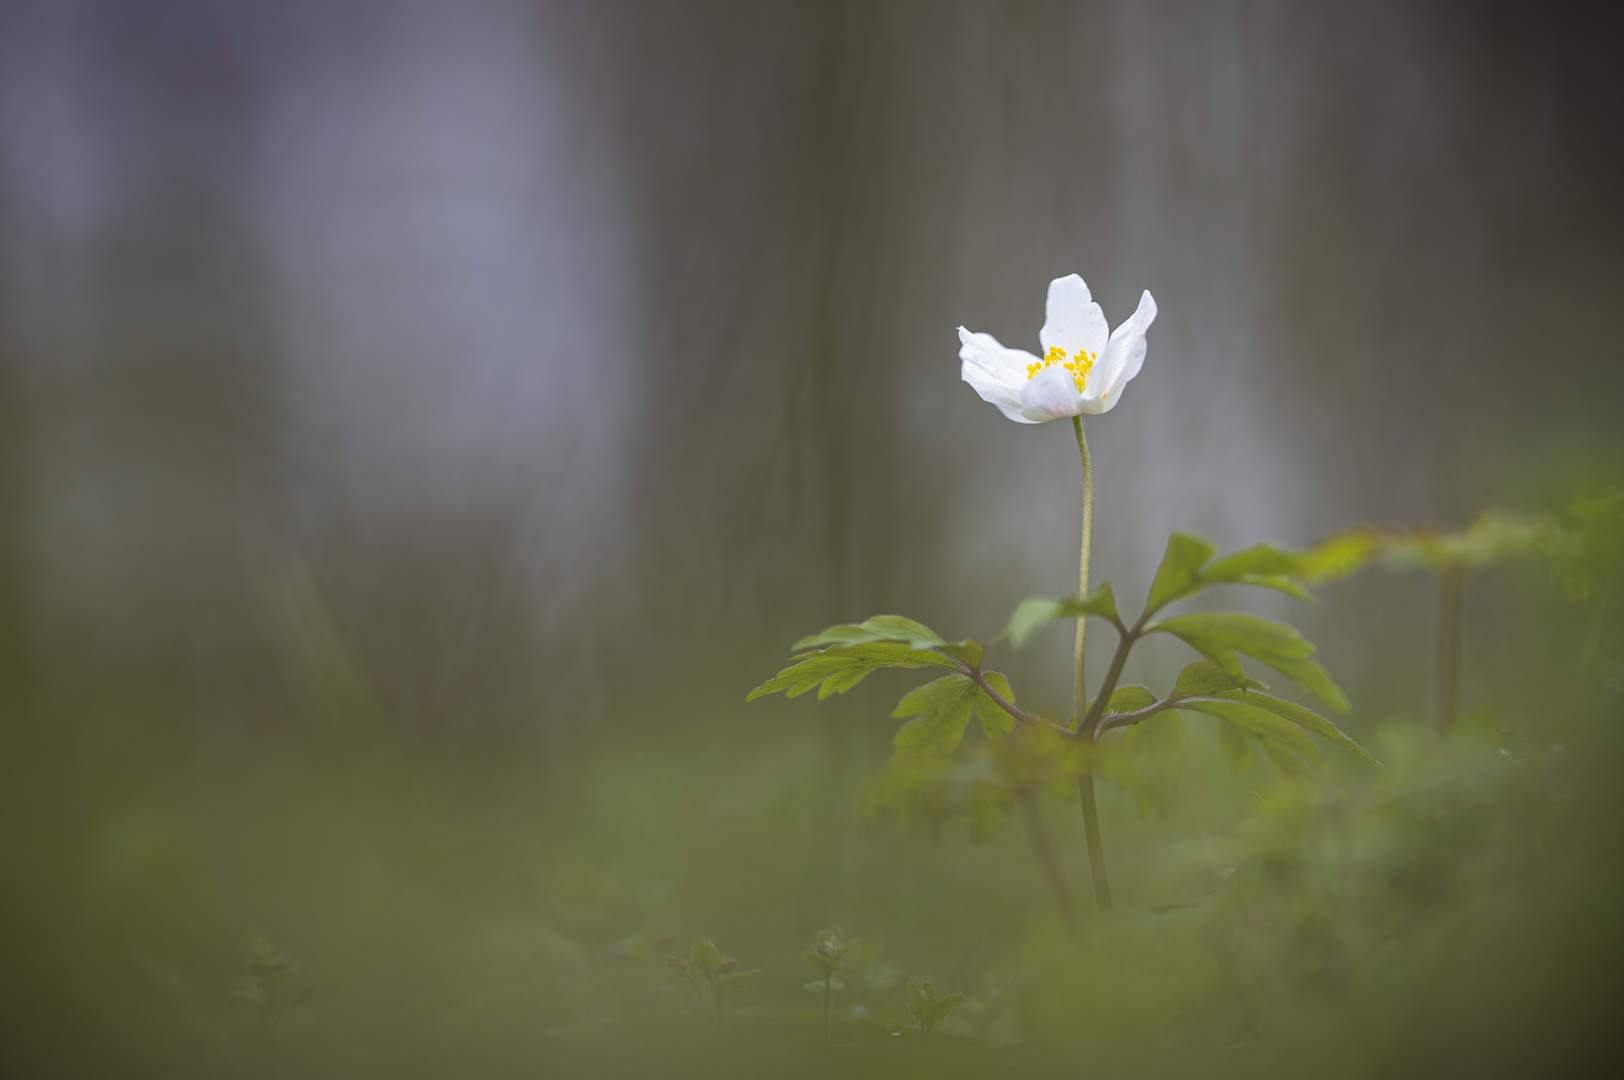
(1079, 365)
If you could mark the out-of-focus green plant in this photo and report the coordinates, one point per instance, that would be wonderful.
(273, 987)
(1585, 542)
(825, 957)
(929, 1009)
(719, 974)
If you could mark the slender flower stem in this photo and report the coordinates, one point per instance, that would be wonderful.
(1085, 779)
(1082, 573)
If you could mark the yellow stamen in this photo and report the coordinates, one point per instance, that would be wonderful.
(1079, 366)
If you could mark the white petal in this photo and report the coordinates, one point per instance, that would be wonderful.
(1124, 354)
(1049, 395)
(996, 373)
(1072, 321)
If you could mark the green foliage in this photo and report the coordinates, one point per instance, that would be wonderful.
(1179, 574)
(928, 1009)
(1262, 565)
(1152, 761)
(1033, 614)
(941, 710)
(1236, 746)
(1219, 636)
(706, 969)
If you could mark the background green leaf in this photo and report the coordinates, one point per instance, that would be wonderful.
(1032, 614)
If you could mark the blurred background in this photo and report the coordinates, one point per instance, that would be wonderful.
(422, 423)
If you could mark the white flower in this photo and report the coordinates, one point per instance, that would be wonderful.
(1082, 371)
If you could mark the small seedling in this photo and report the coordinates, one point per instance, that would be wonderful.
(271, 985)
(929, 1009)
(719, 973)
(825, 956)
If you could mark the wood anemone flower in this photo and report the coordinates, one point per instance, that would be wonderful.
(1082, 370)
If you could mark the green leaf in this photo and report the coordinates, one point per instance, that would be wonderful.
(1309, 675)
(1033, 614)
(1263, 565)
(842, 681)
(996, 724)
(1260, 722)
(1204, 677)
(736, 979)
(1237, 746)
(968, 650)
(1286, 766)
(946, 692)
(892, 628)
(819, 961)
(1153, 760)
(844, 634)
(705, 955)
(942, 709)
(1179, 575)
(1303, 718)
(1129, 699)
(897, 628)
(1243, 633)
(1219, 636)
(808, 670)
(1338, 556)
(816, 986)
(945, 1005)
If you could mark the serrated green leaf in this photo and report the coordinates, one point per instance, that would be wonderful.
(897, 628)
(1306, 719)
(1179, 574)
(1204, 677)
(844, 634)
(734, 979)
(942, 709)
(1033, 614)
(1219, 636)
(968, 650)
(842, 681)
(1129, 699)
(706, 957)
(819, 961)
(806, 671)
(946, 692)
(943, 1006)
(1312, 677)
(1236, 745)
(1259, 560)
(996, 724)
(1259, 722)
(1243, 633)
(1263, 565)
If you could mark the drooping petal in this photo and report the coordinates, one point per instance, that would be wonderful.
(996, 373)
(1072, 321)
(1049, 395)
(1124, 354)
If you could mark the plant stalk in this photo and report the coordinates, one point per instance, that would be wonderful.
(1446, 693)
(828, 1006)
(1085, 779)
(1038, 834)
